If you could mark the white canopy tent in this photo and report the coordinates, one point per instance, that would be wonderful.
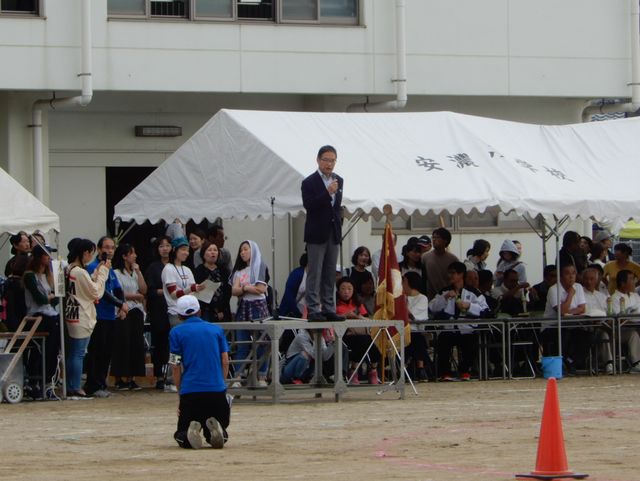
(240, 160)
(21, 210)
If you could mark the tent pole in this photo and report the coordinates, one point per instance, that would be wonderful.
(63, 355)
(559, 309)
(275, 314)
(544, 246)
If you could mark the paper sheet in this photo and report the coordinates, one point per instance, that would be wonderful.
(207, 293)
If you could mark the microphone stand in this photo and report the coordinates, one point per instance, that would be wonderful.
(276, 307)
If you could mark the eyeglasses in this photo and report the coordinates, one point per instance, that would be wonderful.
(328, 161)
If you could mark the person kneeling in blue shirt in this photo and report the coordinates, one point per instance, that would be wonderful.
(199, 357)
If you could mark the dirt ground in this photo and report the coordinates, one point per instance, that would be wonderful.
(450, 431)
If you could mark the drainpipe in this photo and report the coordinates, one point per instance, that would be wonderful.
(598, 106)
(81, 100)
(401, 70)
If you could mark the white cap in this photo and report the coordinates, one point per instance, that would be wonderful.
(187, 306)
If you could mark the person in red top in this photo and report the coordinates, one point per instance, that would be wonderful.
(356, 339)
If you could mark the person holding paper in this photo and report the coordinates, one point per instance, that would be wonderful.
(214, 299)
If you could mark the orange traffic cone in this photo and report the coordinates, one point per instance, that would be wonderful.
(551, 462)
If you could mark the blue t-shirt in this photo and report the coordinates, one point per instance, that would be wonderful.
(199, 345)
(105, 310)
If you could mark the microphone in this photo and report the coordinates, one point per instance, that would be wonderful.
(335, 177)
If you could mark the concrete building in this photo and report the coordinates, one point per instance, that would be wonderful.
(176, 63)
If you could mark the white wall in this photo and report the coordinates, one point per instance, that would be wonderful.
(80, 194)
(573, 48)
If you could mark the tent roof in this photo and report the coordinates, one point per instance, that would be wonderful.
(21, 210)
(438, 161)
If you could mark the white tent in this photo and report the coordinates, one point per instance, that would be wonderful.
(239, 160)
(21, 210)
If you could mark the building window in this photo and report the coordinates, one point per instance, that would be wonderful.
(20, 7)
(256, 10)
(169, 8)
(320, 11)
(127, 7)
(297, 11)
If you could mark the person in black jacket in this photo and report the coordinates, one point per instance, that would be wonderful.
(322, 199)
(157, 309)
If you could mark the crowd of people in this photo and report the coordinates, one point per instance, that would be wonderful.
(110, 297)
(596, 279)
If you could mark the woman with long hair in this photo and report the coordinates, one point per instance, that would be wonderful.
(157, 309)
(477, 255)
(249, 284)
(359, 274)
(216, 310)
(83, 291)
(41, 301)
(128, 349)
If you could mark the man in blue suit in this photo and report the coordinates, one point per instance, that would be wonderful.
(322, 199)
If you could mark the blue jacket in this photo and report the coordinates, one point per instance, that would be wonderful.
(113, 296)
(324, 221)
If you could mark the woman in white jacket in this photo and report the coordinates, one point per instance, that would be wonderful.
(83, 290)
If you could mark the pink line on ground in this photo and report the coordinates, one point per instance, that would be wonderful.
(384, 449)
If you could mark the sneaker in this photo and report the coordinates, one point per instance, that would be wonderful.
(102, 393)
(355, 380)
(170, 388)
(122, 386)
(160, 385)
(262, 383)
(194, 435)
(236, 385)
(297, 381)
(77, 396)
(216, 439)
(50, 395)
(635, 369)
(373, 377)
(133, 386)
(446, 377)
(465, 376)
(608, 368)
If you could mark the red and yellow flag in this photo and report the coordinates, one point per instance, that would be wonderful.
(391, 303)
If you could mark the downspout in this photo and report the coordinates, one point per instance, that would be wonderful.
(401, 69)
(81, 100)
(598, 106)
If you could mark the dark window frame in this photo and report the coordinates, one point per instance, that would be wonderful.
(276, 15)
(38, 11)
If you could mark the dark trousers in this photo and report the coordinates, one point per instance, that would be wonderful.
(575, 343)
(99, 355)
(200, 406)
(160, 327)
(33, 361)
(358, 344)
(467, 345)
(128, 347)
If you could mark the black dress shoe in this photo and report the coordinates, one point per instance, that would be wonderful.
(316, 317)
(333, 317)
